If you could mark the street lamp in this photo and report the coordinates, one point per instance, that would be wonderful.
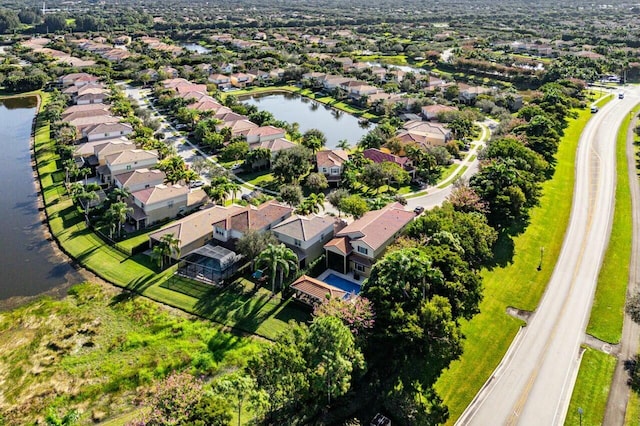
(580, 412)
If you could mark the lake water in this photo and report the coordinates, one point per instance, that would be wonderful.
(27, 263)
(194, 47)
(290, 107)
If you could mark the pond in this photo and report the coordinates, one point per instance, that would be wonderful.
(28, 263)
(309, 114)
(194, 47)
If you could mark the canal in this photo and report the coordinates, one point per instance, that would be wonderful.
(309, 114)
(28, 264)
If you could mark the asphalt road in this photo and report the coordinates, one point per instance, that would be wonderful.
(533, 383)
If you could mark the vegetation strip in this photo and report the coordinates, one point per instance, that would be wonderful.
(592, 388)
(607, 313)
(518, 284)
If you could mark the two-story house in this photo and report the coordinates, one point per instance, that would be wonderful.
(359, 245)
(331, 164)
(139, 179)
(264, 133)
(261, 218)
(125, 161)
(305, 235)
(425, 133)
(159, 202)
(379, 156)
(107, 131)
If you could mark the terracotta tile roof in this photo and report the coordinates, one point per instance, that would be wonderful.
(376, 227)
(266, 131)
(129, 156)
(378, 156)
(331, 158)
(140, 176)
(112, 147)
(109, 127)
(341, 244)
(205, 105)
(196, 225)
(160, 193)
(185, 88)
(305, 228)
(316, 289)
(255, 218)
(83, 108)
(274, 145)
(435, 109)
(88, 148)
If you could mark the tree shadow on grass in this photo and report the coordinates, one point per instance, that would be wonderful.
(221, 343)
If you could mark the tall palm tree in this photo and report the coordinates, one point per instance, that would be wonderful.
(279, 260)
(234, 188)
(120, 194)
(169, 246)
(344, 144)
(118, 212)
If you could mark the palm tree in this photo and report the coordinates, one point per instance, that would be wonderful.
(168, 246)
(277, 259)
(234, 188)
(312, 204)
(120, 194)
(344, 144)
(118, 213)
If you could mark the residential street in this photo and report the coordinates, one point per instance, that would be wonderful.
(534, 382)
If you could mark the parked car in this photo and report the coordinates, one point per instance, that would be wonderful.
(594, 109)
(418, 210)
(196, 184)
(620, 95)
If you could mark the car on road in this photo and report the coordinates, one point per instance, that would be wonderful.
(196, 184)
(594, 109)
(620, 95)
(418, 210)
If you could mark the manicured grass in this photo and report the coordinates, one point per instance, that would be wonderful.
(460, 172)
(592, 388)
(390, 60)
(257, 90)
(137, 272)
(607, 313)
(516, 282)
(632, 417)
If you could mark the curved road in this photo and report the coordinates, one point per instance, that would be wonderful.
(533, 383)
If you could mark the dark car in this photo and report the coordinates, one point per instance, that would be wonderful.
(418, 210)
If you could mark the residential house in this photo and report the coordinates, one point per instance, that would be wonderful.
(332, 82)
(427, 134)
(273, 145)
(360, 244)
(160, 202)
(430, 112)
(126, 161)
(468, 94)
(379, 156)
(331, 164)
(186, 88)
(261, 218)
(241, 80)
(264, 133)
(140, 179)
(77, 79)
(222, 81)
(195, 230)
(107, 131)
(85, 108)
(86, 150)
(91, 98)
(305, 235)
(84, 123)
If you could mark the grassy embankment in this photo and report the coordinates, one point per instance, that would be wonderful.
(607, 314)
(237, 306)
(99, 352)
(516, 282)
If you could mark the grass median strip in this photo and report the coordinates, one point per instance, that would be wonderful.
(592, 389)
(518, 283)
(607, 313)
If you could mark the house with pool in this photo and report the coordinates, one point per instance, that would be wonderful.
(360, 244)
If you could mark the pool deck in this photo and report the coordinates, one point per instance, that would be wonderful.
(348, 277)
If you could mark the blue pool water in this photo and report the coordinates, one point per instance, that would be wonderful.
(342, 284)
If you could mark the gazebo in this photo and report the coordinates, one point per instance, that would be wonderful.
(312, 292)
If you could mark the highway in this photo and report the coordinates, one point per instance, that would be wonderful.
(533, 383)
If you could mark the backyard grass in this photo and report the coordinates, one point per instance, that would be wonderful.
(137, 272)
(515, 282)
(592, 389)
(389, 60)
(607, 313)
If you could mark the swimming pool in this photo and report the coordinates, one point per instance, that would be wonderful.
(342, 284)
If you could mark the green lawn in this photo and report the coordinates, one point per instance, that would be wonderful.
(633, 410)
(390, 60)
(592, 388)
(607, 313)
(256, 315)
(517, 282)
